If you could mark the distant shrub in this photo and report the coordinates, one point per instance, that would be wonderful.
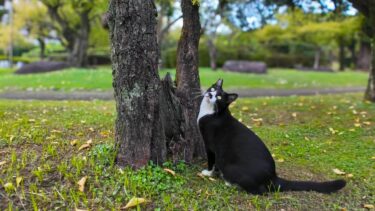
(225, 54)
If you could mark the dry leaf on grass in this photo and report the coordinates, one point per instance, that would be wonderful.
(81, 183)
(368, 206)
(85, 146)
(8, 186)
(280, 160)
(170, 171)
(74, 142)
(2, 162)
(77, 209)
(212, 179)
(245, 108)
(200, 175)
(134, 202)
(349, 175)
(18, 180)
(338, 172)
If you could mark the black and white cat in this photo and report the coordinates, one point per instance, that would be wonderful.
(239, 154)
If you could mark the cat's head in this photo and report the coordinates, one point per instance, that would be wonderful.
(217, 96)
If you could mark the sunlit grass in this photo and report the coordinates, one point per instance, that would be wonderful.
(101, 79)
(308, 136)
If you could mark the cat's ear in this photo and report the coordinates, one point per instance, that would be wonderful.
(219, 83)
(231, 98)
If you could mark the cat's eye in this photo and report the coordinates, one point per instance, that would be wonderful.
(212, 89)
(219, 97)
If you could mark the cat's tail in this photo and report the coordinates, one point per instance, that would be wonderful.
(281, 184)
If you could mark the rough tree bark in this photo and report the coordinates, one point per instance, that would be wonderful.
(187, 78)
(364, 55)
(370, 90)
(154, 118)
(367, 8)
(139, 129)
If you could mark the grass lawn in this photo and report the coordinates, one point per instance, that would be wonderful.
(41, 161)
(101, 79)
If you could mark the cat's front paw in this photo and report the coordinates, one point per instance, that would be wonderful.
(208, 173)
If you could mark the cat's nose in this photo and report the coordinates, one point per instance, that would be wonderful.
(210, 95)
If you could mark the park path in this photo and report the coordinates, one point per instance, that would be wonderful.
(108, 95)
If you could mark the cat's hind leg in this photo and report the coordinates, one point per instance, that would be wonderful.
(211, 164)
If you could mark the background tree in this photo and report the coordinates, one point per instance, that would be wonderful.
(367, 8)
(74, 19)
(32, 16)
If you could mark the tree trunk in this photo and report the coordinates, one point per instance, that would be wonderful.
(341, 56)
(367, 8)
(42, 46)
(139, 129)
(78, 52)
(353, 56)
(187, 78)
(364, 55)
(76, 37)
(370, 91)
(317, 58)
(212, 53)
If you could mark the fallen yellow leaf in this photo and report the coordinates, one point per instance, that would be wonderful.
(134, 202)
(294, 114)
(280, 160)
(357, 125)
(56, 131)
(367, 123)
(349, 175)
(91, 129)
(83, 146)
(212, 179)
(104, 133)
(74, 142)
(18, 180)
(338, 171)
(31, 120)
(257, 119)
(245, 108)
(89, 141)
(2, 162)
(81, 183)
(8, 186)
(170, 171)
(368, 206)
(80, 209)
(200, 175)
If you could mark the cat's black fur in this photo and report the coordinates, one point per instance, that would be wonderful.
(242, 157)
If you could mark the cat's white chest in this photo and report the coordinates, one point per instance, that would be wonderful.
(206, 108)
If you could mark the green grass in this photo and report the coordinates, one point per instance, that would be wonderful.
(37, 144)
(101, 79)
